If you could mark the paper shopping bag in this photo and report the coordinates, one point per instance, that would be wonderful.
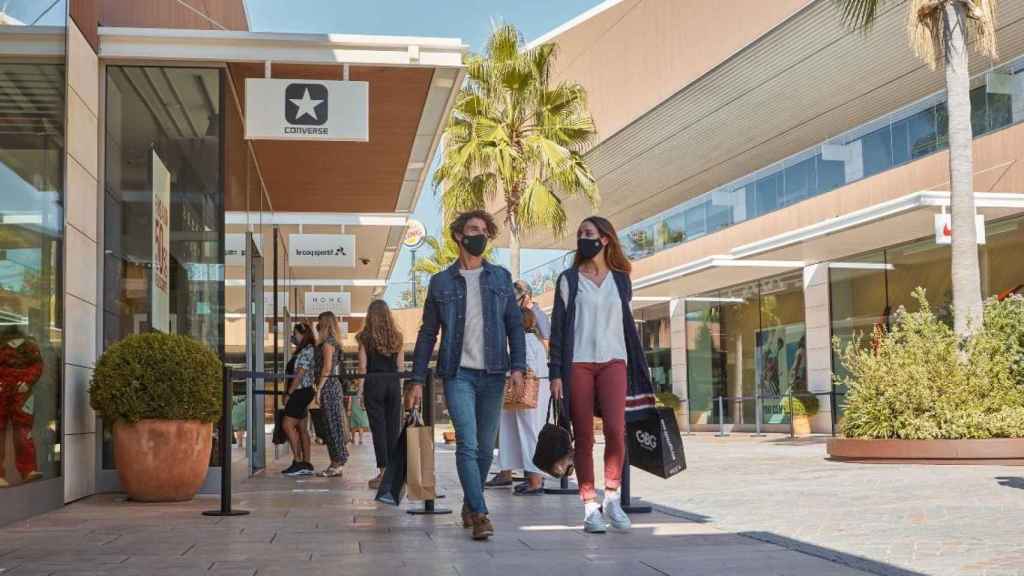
(655, 445)
(419, 450)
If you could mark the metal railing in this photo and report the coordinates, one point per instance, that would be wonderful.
(758, 399)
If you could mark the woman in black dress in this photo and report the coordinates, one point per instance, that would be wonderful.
(380, 343)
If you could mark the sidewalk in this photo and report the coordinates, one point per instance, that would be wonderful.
(323, 527)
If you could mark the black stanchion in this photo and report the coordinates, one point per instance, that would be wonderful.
(627, 506)
(429, 508)
(563, 487)
(225, 452)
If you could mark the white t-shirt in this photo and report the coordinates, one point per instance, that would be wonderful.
(473, 333)
(598, 337)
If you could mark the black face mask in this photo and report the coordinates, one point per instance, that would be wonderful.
(588, 247)
(475, 245)
(296, 340)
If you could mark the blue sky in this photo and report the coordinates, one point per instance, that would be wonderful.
(470, 20)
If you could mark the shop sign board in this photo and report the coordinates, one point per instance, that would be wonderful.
(160, 291)
(322, 250)
(327, 110)
(944, 228)
(319, 302)
(234, 248)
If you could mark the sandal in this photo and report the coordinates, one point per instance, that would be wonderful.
(331, 472)
(525, 490)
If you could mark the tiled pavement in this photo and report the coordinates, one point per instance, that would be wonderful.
(744, 508)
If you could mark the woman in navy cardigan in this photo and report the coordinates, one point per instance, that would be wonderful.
(596, 360)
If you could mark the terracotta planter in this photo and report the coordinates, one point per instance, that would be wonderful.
(801, 425)
(162, 460)
(1001, 451)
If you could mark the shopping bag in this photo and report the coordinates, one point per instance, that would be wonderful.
(554, 453)
(654, 444)
(419, 450)
(319, 423)
(392, 483)
(279, 436)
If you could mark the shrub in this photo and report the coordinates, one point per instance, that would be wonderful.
(919, 381)
(161, 376)
(805, 404)
(667, 400)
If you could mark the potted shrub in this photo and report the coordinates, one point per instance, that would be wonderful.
(671, 401)
(161, 393)
(803, 407)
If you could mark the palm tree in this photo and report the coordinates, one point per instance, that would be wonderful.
(940, 31)
(515, 137)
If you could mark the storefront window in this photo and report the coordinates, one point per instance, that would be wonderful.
(653, 324)
(163, 205)
(743, 343)
(31, 248)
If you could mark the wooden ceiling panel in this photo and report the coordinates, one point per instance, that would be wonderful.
(197, 15)
(344, 176)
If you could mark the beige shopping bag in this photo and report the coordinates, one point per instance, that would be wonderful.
(419, 450)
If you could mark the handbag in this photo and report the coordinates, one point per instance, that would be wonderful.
(654, 444)
(554, 453)
(522, 397)
(279, 436)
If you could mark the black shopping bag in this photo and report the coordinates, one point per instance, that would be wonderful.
(319, 423)
(554, 453)
(279, 436)
(392, 483)
(654, 444)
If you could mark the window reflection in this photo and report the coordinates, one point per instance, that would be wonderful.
(31, 248)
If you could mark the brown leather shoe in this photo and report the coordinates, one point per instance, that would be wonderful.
(467, 517)
(482, 527)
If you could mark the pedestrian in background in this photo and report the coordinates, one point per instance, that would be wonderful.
(329, 393)
(380, 343)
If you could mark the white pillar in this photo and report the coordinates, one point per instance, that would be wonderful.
(677, 323)
(818, 323)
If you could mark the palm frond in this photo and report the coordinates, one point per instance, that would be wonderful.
(859, 14)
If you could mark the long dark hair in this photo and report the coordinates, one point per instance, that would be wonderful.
(305, 332)
(613, 254)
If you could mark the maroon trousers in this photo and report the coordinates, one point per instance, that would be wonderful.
(604, 385)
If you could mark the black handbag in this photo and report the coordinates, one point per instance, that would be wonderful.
(279, 436)
(319, 423)
(554, 454)
(655, 445)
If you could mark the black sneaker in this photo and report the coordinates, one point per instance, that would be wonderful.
(291, 470)
(305, 469)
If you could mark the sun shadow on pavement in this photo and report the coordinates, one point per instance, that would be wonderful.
(1011, 481)
(851, 560)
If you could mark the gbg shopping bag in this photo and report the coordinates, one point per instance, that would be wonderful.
(655, 445)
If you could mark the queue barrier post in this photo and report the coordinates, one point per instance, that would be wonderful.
(627, 506)
(721, 418)
(225, 451)
(757, 414)
(429, 507)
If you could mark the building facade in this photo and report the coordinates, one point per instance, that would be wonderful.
(781, 181)
(131, 199)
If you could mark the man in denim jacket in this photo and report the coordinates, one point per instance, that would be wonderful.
(481, 341)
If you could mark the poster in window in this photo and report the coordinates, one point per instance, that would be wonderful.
(780, 367)
(160, 292)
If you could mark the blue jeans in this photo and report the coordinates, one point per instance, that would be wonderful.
(474, 400)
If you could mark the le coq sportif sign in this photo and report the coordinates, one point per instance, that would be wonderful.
(277, 109)
(322, 250)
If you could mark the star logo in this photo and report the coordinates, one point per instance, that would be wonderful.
(305, 104)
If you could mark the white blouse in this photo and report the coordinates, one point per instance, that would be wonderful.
(599, 337)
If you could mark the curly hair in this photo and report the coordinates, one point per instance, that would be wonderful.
(379, 332)
(459, 223)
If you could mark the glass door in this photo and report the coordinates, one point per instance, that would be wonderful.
(255, 419)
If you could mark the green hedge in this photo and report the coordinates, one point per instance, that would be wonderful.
(920, 381)
(159, 376)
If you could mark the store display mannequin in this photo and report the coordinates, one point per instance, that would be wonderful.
(21, 365)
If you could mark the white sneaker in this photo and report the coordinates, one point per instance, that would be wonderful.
(594, 523)
(613, 509)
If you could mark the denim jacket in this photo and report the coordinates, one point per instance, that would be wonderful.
(445, 307)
